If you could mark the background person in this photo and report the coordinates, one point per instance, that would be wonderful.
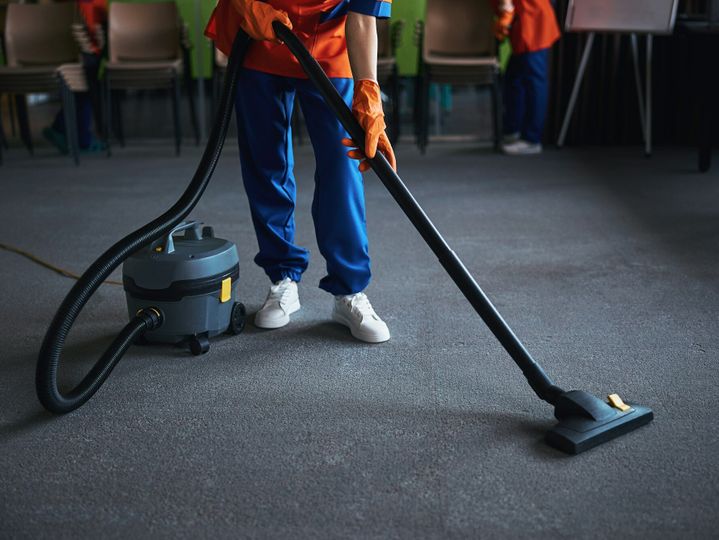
(90, 33)
(532, 28)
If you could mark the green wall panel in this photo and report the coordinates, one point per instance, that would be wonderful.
(410, 11)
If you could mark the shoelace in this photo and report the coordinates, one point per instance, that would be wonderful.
(359, 303)
(279, 292)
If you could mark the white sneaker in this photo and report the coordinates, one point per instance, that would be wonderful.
(356, 313)
(509, 138)
(522, 148)
(282, 301)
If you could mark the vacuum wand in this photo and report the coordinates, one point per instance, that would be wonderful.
(538, 379)
(584, 420)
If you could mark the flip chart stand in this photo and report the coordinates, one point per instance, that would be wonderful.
(644, 98)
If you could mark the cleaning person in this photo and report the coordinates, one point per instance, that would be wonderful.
(532, 28)
(342, 36)
(90, 35)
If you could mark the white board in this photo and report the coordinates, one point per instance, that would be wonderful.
(637, 16)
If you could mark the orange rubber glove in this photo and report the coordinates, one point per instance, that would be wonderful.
(257, 19)
(503, 23)
(367, 109)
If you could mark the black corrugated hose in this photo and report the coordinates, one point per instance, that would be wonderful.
(49, 358)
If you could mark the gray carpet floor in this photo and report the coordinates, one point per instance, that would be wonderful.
(605, 263)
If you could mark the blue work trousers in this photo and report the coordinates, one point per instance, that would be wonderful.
(264, 105)
(526, 92)
(83, 111)
(83, 102)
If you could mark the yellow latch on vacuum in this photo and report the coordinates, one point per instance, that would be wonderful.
(616, 402)
(226, 292)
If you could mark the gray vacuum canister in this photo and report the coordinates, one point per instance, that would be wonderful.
(192, 279)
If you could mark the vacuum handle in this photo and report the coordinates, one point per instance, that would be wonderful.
(537, 378)
(192, 232)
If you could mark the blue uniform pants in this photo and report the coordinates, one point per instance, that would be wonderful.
(83, 102)
(83, 111)
(264, 110)
(525, 95)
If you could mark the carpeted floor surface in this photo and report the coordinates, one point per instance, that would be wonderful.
(605, 263)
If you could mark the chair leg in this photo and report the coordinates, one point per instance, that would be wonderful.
(3, 138)
(497, 111)
(24, 122)
(107, 112)
(424, 122)
(396, 106)
(12, 108)
(119, 125)
(176, 114)
(191, 103)
(68, 108)
(417, 106)
(215, 94)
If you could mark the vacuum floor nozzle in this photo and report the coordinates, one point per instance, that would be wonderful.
(586, 421)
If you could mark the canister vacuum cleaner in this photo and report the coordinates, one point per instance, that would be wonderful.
(191, 280)
(181, 289)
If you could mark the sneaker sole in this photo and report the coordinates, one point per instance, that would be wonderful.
(280, 321)
(357, 334)
(532, 152)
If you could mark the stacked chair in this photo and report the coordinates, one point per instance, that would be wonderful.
(42, 56)
(388, 34)
(457, 47)
(146, 53)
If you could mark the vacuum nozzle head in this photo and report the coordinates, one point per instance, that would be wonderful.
(586, 421)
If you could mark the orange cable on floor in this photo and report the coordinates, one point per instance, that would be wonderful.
(49, 266)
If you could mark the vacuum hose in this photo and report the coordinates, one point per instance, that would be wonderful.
(148, 319)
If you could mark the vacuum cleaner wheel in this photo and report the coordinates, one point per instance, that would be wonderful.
(199, 344)
(237, 319)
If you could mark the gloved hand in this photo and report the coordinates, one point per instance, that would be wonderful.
(257, 19)
(367, 109)
(503, 23)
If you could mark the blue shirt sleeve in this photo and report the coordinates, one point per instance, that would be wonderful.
(381, 9)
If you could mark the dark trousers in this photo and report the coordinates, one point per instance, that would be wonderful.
(83, 108)
(525, 95)
(84, 103)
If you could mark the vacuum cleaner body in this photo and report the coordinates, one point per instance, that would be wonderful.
(191, 278)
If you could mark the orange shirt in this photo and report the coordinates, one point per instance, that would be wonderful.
(93, 11)
(94, 14)
(535, 26)
(320, 25)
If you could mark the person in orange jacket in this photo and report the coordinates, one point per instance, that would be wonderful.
(532, 28)
(90, 35)
(342, 36)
